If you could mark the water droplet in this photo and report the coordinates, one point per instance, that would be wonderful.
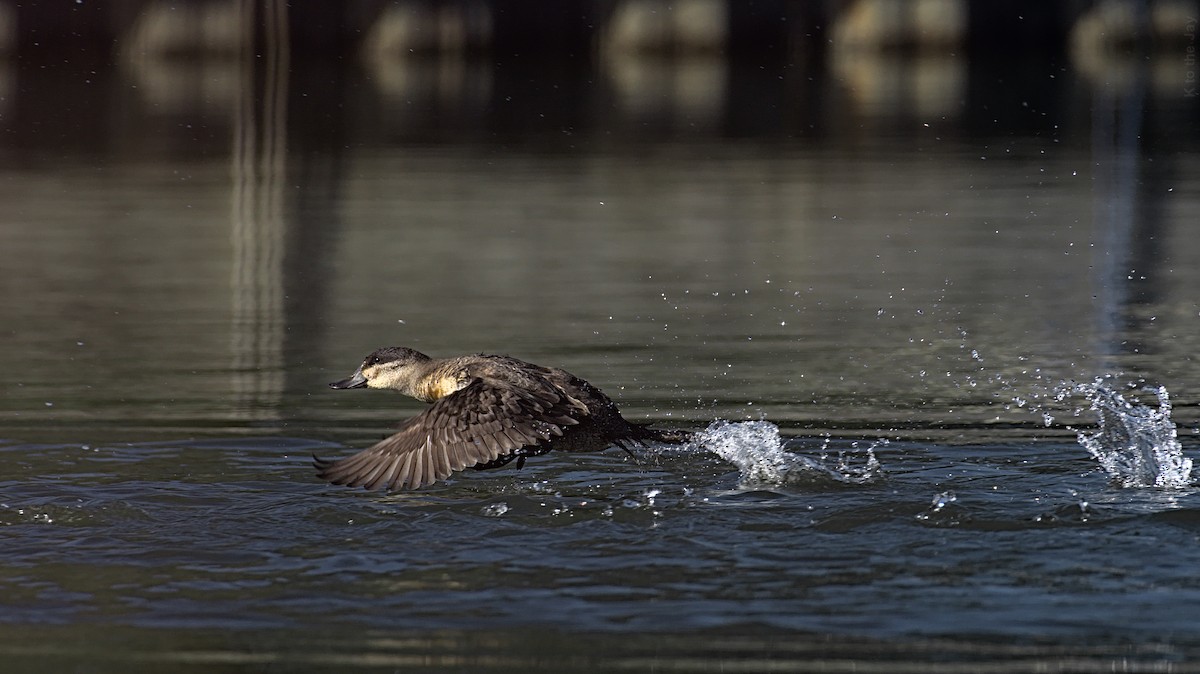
(494, 509)
(943, 499)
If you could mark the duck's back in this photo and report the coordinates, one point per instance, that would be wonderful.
(529, 376)
(603, 424)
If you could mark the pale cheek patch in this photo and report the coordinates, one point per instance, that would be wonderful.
(376, 378)
(391, 378)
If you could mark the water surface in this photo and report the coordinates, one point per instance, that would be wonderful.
(893, 313)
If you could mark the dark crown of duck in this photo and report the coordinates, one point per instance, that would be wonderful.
(487, 411)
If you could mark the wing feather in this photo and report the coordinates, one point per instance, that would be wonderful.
(404, 475)
(417, 477)
(442, 461)
(387, 477)
(374, 473)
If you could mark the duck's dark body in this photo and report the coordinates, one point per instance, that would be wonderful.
(487, 411)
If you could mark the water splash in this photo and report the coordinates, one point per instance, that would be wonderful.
(1136, 444)
(757, 449)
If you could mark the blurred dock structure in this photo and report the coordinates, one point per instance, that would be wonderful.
(595, 28)
(664, 67)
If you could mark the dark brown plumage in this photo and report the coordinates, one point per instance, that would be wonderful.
(487, 411)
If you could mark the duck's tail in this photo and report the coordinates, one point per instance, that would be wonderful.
(671, 437)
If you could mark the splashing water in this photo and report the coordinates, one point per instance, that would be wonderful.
(1137, 445)
(756, 448)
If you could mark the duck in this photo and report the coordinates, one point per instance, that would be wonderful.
(486, 411)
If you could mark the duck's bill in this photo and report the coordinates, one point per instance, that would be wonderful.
(356, 380)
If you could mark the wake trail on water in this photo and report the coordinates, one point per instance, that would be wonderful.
(758, 451)
(1136, 444)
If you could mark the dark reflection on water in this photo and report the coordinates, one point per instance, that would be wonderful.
(190, 251)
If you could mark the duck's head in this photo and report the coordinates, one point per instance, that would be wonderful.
(392, 367)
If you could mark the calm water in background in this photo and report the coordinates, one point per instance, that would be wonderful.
(880, 272)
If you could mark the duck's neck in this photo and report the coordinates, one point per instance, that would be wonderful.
(434, 380)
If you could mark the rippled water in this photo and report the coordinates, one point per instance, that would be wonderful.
(942, 359)
(762, 539)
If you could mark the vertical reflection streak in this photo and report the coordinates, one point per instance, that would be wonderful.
(1117, 120)
(257, 218)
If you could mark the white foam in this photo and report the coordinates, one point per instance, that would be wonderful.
(757, 449)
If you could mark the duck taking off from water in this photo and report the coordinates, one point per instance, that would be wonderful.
(487, 411)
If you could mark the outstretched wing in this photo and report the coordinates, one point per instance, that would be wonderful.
(474, 425)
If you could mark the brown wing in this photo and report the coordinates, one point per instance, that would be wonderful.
(476, 424)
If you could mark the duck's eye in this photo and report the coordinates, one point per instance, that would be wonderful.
(371, 360)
